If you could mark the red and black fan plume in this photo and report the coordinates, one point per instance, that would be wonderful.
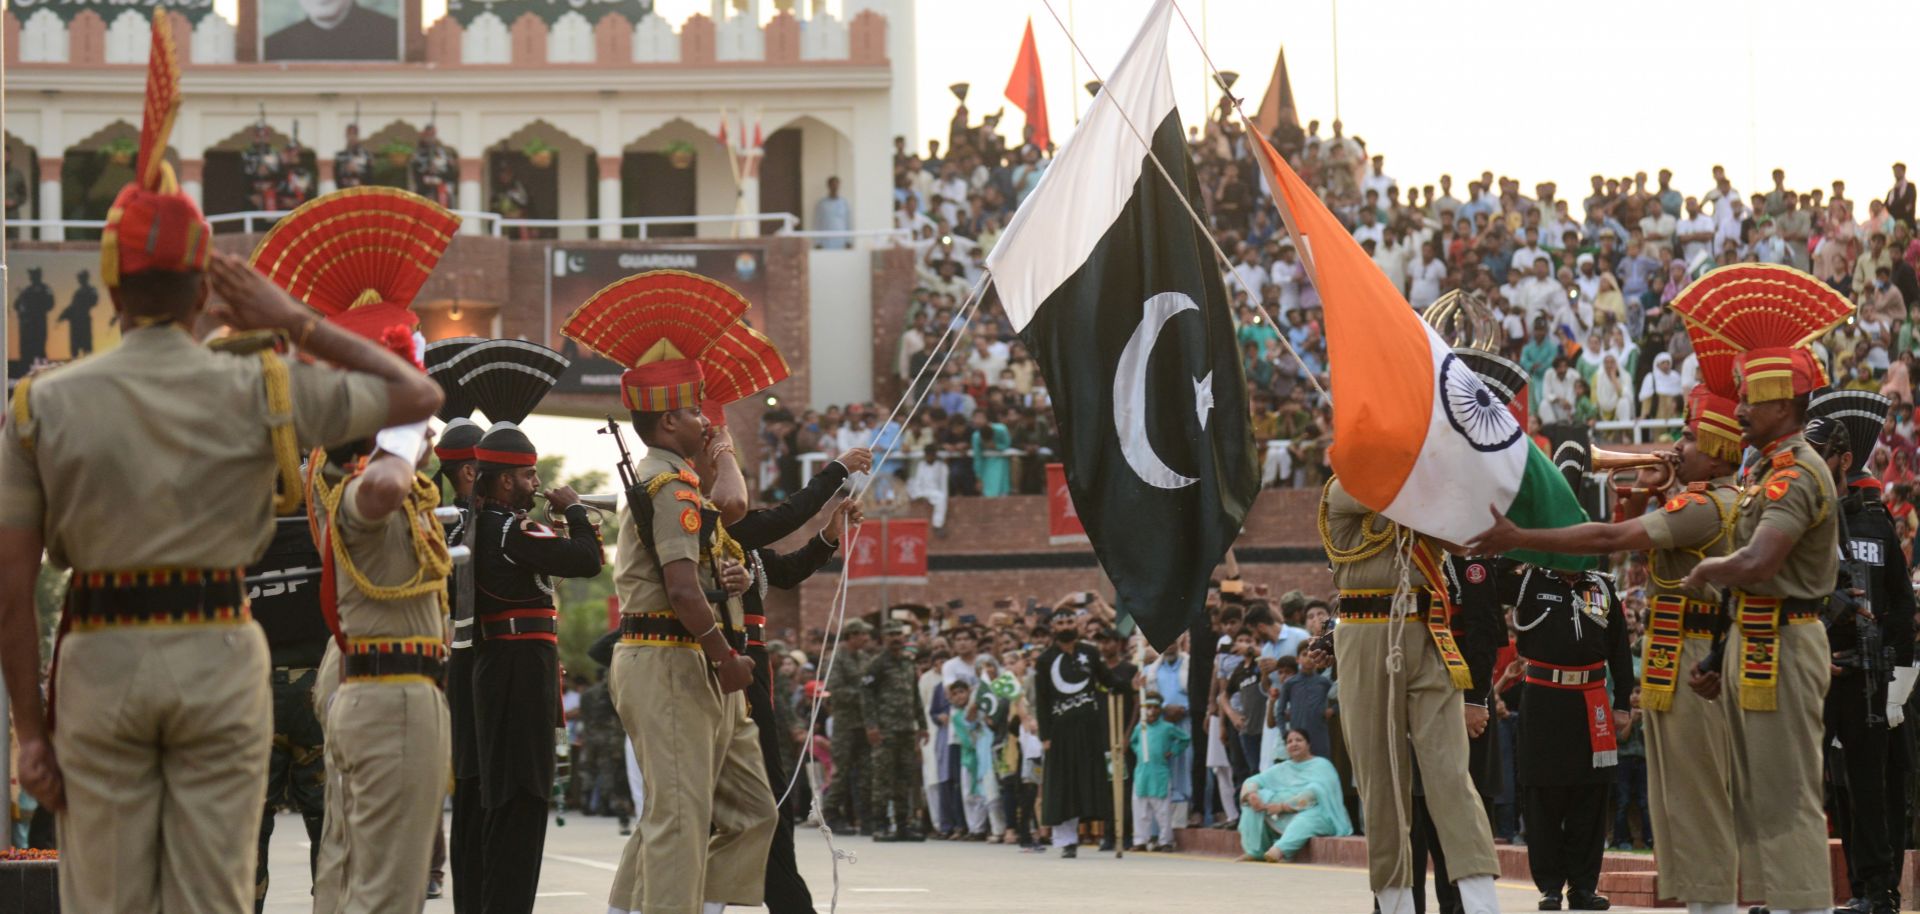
(506, 379)
(358, 255)
(743, 362)
(1761, 306)
(457, 403)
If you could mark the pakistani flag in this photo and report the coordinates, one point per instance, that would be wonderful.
(1106, 278)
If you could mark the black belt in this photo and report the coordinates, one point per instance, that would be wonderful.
(665, 629)
(157, 596)
(1362, 608)
(1703, 621)
(371, 666)
(518, 624)
(756, 630)
(1563, 676)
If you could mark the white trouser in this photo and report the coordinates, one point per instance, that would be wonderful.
(1066, 832)
(1152, 820)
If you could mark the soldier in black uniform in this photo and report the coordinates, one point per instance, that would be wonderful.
(1871, 813)
(516, 672)
(284, 589)
(1572, 637)
(457, 463)
(264, 167)
(352, 165)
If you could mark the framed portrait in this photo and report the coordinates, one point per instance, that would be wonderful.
(366, 30)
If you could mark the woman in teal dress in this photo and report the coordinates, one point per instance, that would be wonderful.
(994, 473)
(1285, 806)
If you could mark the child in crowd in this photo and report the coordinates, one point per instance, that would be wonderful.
(1156, 743)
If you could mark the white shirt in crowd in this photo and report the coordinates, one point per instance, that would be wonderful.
(1557, 396)
(958, 669)
(1424, 282)
(1254, 275)
(1523, 258)
(1698, 225)
(1374, 231)
(1286, 274)
(1539, 296)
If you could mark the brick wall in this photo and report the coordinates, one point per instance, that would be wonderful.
(1003, 541)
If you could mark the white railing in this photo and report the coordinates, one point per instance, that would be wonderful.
(812, 461)
(247, 218)
(876, 237)
(492, 223)
(787, 222)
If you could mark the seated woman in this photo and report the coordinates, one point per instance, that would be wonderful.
(1290, 803)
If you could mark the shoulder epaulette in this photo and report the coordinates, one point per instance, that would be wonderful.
(1700, 486)
(659, 482)
(1783, 460)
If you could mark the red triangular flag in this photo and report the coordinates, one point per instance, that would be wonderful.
(1025, 91)
(1278, 107)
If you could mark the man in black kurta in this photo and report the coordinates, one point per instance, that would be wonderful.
(1572, 637)
(516, 671)
(1073, 730)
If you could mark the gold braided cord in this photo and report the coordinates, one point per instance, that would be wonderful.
(1372, 542)
(430, 552)
(724, 546)
(1729, 510)
(286, 450)
(22, 413)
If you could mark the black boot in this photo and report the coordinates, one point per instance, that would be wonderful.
(1580, 900)
(1070, 852)
(1549, 902)
(1884, 901)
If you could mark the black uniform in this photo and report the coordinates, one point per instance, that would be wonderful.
(468, 837)
(516, 688)
(284, 589)
(1075, 782)
(786, 890)
(1569, 633)
(1480, 629)
(1872, 765)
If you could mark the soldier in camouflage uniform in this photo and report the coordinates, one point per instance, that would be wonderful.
(845, 799)
(896, 726)
(604, 767)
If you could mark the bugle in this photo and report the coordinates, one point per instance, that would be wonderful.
(1614, 463)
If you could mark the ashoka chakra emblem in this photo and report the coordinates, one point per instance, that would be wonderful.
(1473, 410)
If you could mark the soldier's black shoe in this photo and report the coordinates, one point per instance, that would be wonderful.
(886, 837)
(1549, 902)
(911, 835)
(626, 826)
(1106, 847)
(1884, 902)
(1070, 852)
(1587, 901)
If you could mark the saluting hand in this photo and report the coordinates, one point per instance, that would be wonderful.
(250, 301)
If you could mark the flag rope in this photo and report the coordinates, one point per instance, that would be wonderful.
(837, 614)
(1180, 193)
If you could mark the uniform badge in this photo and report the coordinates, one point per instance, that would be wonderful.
(686, 495)
(688, 477)
(1700, 486)
(1681, 501)
(690, 520)
(535, 529)
(1779, 483)
(1477, 573)
(1783, 460)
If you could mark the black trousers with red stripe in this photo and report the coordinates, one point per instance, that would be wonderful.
(786, 891)
(1566, 834)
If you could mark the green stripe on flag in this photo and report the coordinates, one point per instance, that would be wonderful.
(1545, 502)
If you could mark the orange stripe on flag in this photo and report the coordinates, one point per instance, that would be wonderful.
(1379, 350)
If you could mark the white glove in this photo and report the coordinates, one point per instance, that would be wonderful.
(1898, 692)
(404, 441)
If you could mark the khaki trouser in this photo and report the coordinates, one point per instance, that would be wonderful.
(1776, 774)
(388, 746)
(163, 738)
(1690, 791)
(326, 682)
(1428, 719)
(700, 753)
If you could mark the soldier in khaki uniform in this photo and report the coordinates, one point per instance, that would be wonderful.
(384, 574)
(1776, 669)
(149, 469)
(1689, 743)
(678, 672)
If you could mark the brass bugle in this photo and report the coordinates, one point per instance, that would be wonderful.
(1613, 463)
(609, 502)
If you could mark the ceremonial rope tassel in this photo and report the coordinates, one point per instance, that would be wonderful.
(430, 551)
(1402, 607)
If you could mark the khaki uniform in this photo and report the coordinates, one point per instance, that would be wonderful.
(1423, 695)
(1777, 763)
(389, 737)
(156, 455)
(1689, 742)
(698, 750)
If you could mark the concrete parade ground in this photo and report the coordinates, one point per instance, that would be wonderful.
(938, 877)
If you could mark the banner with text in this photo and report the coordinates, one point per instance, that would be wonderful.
(889, 551)
(574, 274)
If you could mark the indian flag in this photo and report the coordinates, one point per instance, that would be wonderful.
(1417, 435)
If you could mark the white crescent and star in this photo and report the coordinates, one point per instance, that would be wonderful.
(1060, 683)
(1130, 394)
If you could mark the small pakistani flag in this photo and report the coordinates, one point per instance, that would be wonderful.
(1118, 295)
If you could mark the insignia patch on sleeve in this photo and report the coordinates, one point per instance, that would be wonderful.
(537, 530)
(1783, 460)
(686, 495)
(688, 477)
(1779, 483)
(1681, 501)
(690, 520)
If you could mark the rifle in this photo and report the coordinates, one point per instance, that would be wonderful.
(627, 479)
(1872, 657)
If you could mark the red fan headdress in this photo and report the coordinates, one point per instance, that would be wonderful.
(660, 325)
(1764, 316)
(740, 364)
(152, 225)
(358, 255)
